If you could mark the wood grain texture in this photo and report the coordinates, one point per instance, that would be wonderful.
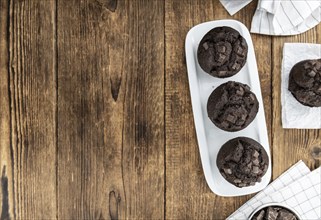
(95, 114)
(27, 134)
(291, 145)
(187, 194)
(6, 189)
(186, 188)
(110, 109)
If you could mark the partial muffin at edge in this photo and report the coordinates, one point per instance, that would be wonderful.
(274, 212)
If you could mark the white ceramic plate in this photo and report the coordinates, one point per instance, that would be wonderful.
(210, 138)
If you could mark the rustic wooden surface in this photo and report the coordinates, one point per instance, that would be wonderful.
(95, 113)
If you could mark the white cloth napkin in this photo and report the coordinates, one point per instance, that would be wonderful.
(294, 114)
(298, 188)
(233, 6)
(277, 17)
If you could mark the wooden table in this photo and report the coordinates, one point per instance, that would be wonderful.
(95, 113)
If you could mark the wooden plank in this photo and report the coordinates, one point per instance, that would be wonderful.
(6, 189)
(291, 145)
(27, 115)
(110, 109)
(187, 194)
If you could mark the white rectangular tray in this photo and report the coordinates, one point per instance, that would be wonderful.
(210, 138)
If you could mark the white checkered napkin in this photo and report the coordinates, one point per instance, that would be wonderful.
(276, 17)
(294, 173)
(234, 6)
(304, 195)
(290, 17)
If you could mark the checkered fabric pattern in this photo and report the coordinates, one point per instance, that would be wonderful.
(298, 188)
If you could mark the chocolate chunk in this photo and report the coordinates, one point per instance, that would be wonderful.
(221, 49)
(256, 162)
(285, 215)
(228, 171)
(237, 181)
(307, 65)
(221, 58)
(239, 51)
(240, 91)
(225, 124)
(205, 45)
(318, 66)
(271, 214)
(260, 216)
(236, 66)
(256, 154)
(312, 73)
(237, 154)
(240, 122)
(222, 73)
(243, 117)
(242, 185)
(255, 169)
(246, 169)
(231, 118)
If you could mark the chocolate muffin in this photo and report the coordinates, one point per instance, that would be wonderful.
(242, 161)
(232, 106)
(305, 82)
(274, 213)
(222, 52)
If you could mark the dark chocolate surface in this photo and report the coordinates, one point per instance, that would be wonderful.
(232, 106)
(274, 213)
(222, 52)
(242, 161)
(305, 82)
